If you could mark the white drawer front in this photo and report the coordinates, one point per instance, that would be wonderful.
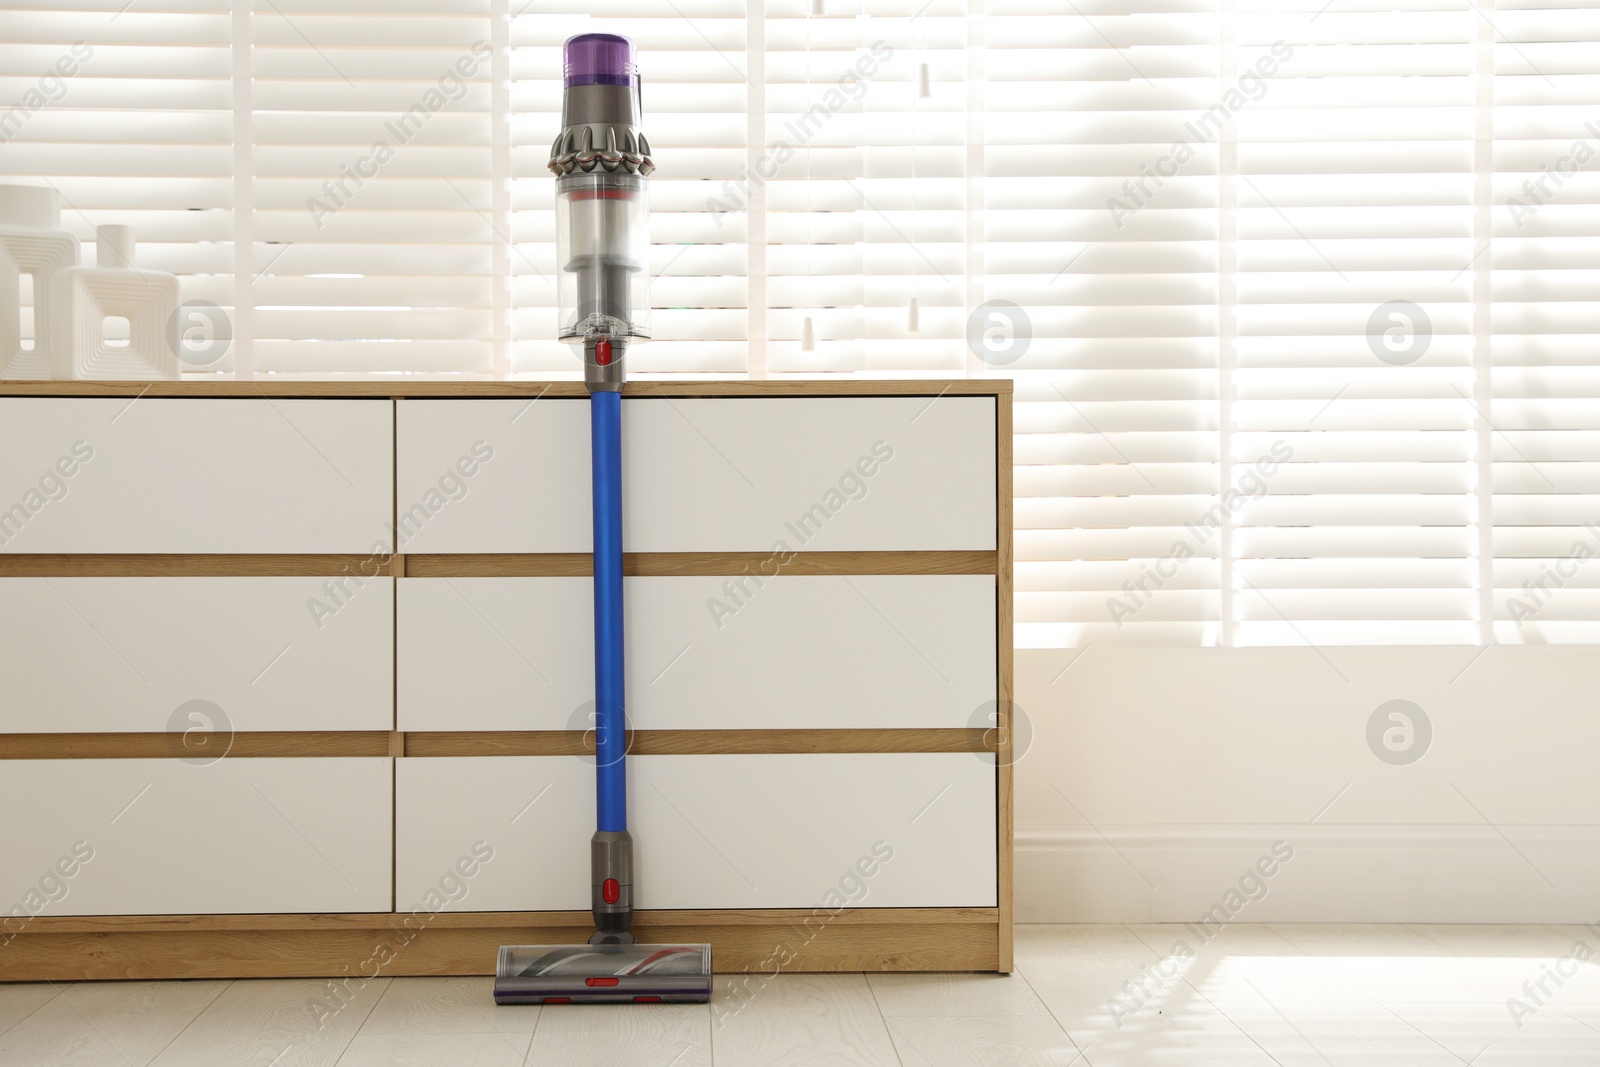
(798, 651)
(702, 475)
(194, 475)
(709, 831)
(172, 838)
(123, 654)
(492, 475)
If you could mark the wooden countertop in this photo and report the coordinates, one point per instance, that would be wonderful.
(512, 389)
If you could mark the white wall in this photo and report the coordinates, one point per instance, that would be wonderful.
(1157, 777)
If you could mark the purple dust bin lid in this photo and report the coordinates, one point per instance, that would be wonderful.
(600, 59)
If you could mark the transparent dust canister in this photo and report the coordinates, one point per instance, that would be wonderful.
(603, 246)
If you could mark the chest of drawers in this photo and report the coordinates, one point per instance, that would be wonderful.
(283, 661)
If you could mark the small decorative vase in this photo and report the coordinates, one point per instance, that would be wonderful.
(31, 242)
(83, 298)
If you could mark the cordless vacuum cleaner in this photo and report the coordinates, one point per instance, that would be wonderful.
(601, 162)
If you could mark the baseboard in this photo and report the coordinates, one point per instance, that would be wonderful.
(1301, 872)
(1321, 835)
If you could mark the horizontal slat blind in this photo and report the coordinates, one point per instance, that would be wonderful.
(140, 134)
(1546, 263)
(373, 201)
(1355, 204)
(866, 208)
(1117, 414)
(1296, 296)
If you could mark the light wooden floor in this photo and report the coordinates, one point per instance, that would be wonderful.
(1364, 996)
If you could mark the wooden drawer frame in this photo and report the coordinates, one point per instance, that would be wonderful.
(60, 948)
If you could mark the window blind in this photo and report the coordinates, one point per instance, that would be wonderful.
(1355, 230)
(1117, 415)
(374, 210)
(139, 133)
(866, 214)
(1296, 296)
(1543, 459)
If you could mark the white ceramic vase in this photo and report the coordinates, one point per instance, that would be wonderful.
(83, 298)
(31, 242)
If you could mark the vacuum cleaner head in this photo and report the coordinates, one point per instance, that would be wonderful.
(603, 974)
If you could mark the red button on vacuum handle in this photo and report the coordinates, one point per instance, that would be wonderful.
(599, 981)
(609, 891)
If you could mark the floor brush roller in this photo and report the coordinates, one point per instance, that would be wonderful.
(602, 161)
